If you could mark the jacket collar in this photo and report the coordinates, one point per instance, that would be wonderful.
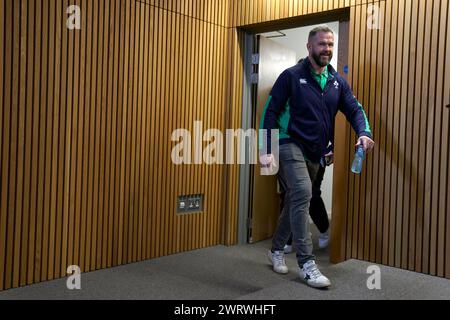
(308, 67)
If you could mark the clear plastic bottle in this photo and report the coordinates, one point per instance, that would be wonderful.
(358, 160)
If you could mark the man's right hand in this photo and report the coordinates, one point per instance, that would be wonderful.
(329, 158)
(268, 164)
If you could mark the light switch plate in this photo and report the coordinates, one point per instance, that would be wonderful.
(190, 204)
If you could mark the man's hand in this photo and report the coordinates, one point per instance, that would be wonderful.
(366, 142)
(329, 158)
(268, 165)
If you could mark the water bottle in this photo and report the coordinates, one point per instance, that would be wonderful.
(358, 160)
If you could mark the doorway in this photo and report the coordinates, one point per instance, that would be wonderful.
(268, 53)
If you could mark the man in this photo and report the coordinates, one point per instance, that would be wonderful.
(303, 105)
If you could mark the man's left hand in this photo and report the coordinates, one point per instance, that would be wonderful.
(366, 142)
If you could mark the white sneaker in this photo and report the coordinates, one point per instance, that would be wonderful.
(278, 263)
(287, 249)
(311, 274)
(324, 239)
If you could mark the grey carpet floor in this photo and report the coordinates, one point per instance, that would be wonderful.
(238, 272)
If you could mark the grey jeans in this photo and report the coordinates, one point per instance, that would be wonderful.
(295, 175)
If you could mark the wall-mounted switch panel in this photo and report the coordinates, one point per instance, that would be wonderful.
(190, 204)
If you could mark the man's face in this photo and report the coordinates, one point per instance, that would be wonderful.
(320, 48)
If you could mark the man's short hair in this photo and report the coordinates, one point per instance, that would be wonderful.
(322, 28)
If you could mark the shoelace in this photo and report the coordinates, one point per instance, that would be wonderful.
(278, 257)
(313, 271)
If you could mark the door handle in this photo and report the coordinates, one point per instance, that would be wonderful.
(448, 106)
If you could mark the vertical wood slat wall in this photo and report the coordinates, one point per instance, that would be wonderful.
(247, 12)
(398, 209)
(85, 133)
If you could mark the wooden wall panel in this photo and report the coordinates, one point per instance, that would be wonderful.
(445, 158)
(413, 125)
(3, 209)
(248, 12)
(403, 205)
(441, 151)
(85, 133)
(398, 208)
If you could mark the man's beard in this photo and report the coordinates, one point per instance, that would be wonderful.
(318, 60)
